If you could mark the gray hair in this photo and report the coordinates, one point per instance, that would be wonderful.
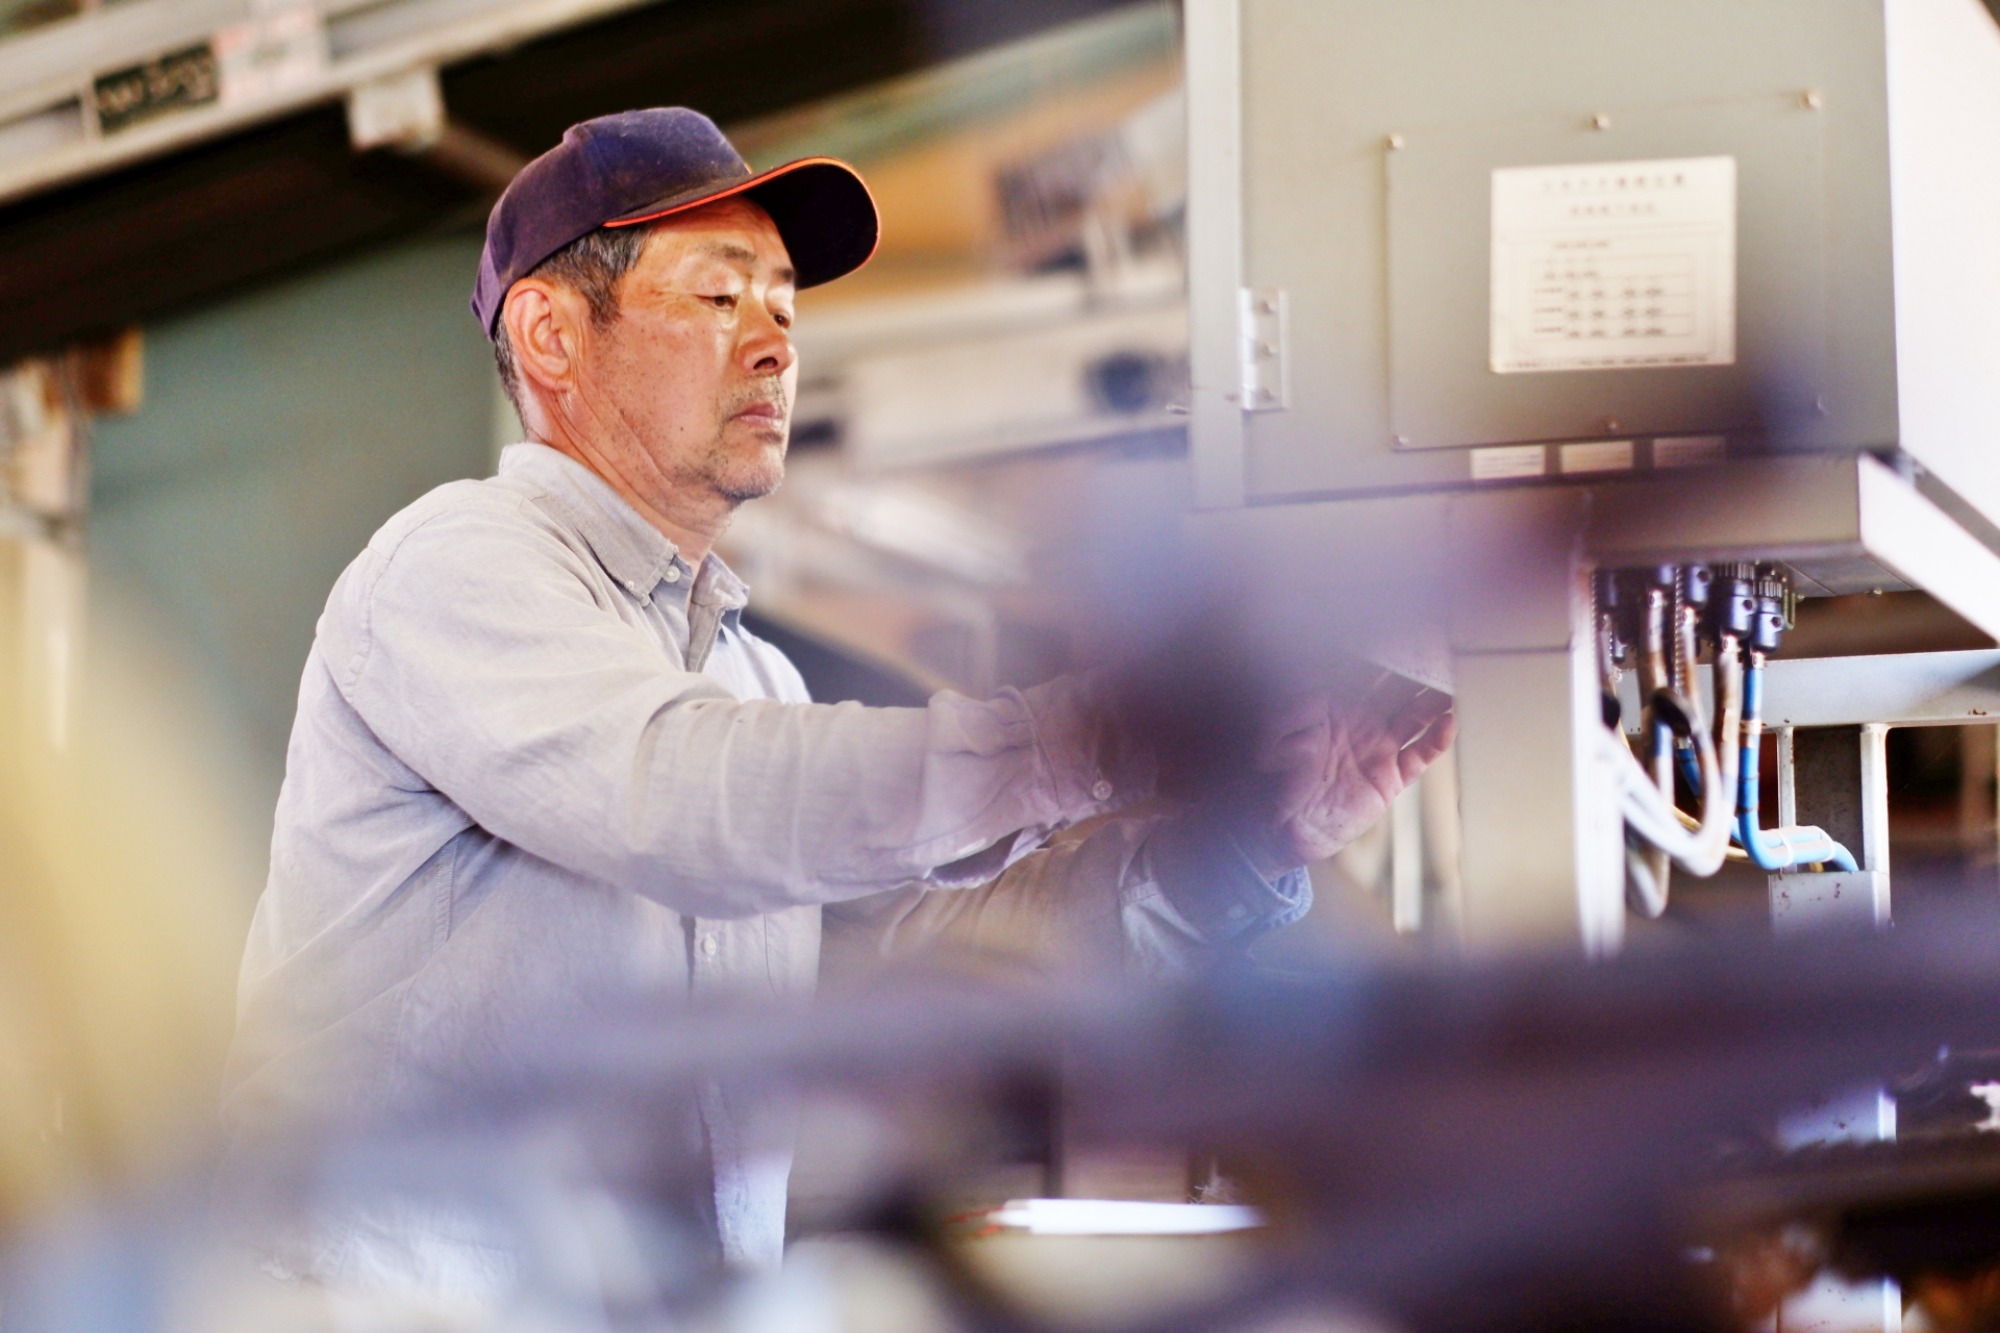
(592, 265)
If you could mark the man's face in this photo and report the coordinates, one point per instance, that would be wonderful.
(697, 374)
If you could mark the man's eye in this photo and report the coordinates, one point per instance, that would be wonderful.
(723, 302)
(784, 320)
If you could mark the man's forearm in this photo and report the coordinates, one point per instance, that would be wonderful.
(1142, 893)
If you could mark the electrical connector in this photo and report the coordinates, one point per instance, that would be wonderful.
(1695, 585)
(1732, 603)
(1770, 620)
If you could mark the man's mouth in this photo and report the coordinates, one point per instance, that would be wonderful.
(762, 414)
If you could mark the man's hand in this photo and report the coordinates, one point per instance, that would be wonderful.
(1336, 765)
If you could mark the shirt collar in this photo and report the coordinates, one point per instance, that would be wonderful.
(716, 582)
(631, 550)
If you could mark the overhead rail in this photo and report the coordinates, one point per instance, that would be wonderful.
(116, 85)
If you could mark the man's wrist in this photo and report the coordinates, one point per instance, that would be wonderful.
(1268, 850)
(1208, 873)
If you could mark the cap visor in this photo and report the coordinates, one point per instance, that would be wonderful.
(820, 205)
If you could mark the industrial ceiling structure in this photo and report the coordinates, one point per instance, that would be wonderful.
(155, 152)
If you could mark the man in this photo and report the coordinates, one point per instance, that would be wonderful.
(536, 752)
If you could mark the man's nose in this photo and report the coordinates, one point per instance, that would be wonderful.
(767, 346)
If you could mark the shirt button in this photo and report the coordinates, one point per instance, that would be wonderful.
(1101, 792)
(709, 946)
(673, 574)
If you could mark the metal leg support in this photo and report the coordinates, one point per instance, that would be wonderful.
(1543, 846)
(1873, 853)
(1837, 778)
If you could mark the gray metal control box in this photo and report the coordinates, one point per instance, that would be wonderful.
(1440, 243)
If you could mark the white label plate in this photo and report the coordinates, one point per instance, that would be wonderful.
(1690, 450)
(1509, 462)
(1614, 265)
(1597, 456)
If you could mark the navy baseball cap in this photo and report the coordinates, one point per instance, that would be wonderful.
(636, 166)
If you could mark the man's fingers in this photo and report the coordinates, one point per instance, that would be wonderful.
(1433, 741)
(1417, 715)
(1437, 737)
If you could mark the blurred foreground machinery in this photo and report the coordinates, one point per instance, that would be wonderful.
(1537, 1142)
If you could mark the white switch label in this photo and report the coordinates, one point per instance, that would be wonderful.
(1614, 265)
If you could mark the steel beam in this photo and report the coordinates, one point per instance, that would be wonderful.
(49, 71)
(1903, 690)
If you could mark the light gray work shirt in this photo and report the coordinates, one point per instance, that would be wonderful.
(537, 754)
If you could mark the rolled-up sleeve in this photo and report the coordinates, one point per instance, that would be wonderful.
(474, 647)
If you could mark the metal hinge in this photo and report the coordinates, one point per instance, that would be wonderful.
(1265, 331)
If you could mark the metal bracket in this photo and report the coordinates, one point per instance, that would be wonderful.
(1265, 330)
(404, 111)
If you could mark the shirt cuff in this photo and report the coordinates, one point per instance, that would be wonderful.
(1091, 767)
(1206, 875)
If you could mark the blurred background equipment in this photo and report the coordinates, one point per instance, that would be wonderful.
(245, 137)
(122, 866)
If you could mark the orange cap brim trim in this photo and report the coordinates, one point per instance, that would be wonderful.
(764, 178)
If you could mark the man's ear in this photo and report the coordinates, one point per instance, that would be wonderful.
(545, 326)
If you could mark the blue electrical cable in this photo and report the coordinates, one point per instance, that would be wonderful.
(1665, 743)
(1690, 770)
(1781, 852)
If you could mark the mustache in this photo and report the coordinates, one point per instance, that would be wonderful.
(770, 393)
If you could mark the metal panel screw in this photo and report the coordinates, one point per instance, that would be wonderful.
(1600, 121)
